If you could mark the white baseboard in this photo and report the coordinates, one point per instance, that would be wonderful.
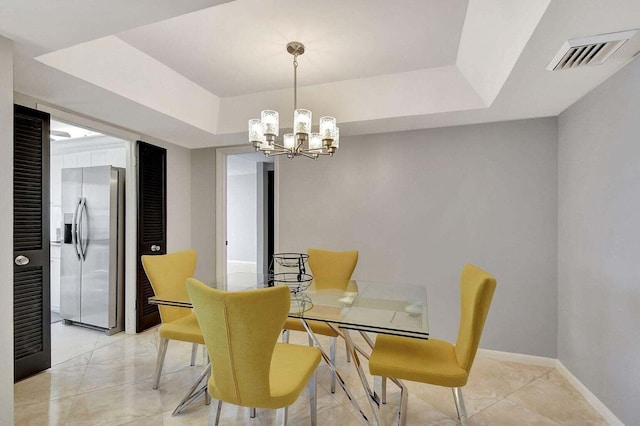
(588, 395)
(555, 363)
(525, 359)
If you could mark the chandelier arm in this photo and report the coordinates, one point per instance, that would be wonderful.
(304, 154)
(313, 151)
(277, 145)
(272, 154)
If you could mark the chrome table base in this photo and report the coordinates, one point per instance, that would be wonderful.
(198, 388)
(339, 378)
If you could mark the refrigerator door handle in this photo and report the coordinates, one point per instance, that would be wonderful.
(82, 240)
(74, 229)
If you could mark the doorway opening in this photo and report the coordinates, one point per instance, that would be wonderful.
(72, 148)
(247, 210)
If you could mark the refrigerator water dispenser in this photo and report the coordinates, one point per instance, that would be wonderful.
(68, 222)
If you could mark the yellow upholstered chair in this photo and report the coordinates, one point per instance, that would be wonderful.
(249, 367)
(329, 269)
(435, 361)
(167, 274)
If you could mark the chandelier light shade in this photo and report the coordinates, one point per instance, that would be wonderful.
(302, 142)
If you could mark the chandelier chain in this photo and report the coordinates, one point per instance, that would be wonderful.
(295, 81)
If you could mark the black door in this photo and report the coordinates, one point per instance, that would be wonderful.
(270, 214)
(152, 224)
(31, 292)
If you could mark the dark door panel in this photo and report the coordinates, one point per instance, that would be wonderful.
(152, 224)
(31, 299)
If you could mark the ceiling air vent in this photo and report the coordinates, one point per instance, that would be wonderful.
(594, 50)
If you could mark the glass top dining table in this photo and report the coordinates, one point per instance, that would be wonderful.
(346, 305)
(378, 307)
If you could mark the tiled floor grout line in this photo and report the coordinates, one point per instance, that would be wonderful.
(538, 378)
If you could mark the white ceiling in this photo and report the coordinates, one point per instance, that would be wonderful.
(193, 72)
(65, 131)
(228, 49)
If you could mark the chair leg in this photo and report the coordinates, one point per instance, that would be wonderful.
(380, 384)
(310, 340)
(211, 421)
(313, 400)
(332, 356)
(348, 353)
(162, 351)
(194, 351)
(207, 365)
(218, 410)
(402, 415)
(285, 336)
(462, 413)
(281, 416)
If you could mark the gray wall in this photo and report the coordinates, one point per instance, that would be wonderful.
(419, 205)
(6, 230)
(203, 211)
(599, 242)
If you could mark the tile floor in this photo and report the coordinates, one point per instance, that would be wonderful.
(97, 379)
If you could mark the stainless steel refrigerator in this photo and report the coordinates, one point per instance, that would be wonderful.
(92, 249)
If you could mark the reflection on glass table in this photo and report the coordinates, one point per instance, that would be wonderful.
(398, 309)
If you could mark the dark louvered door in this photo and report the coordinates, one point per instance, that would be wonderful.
(31, 292)
(152, 223)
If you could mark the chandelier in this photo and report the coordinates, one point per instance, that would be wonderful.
(302, 142)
